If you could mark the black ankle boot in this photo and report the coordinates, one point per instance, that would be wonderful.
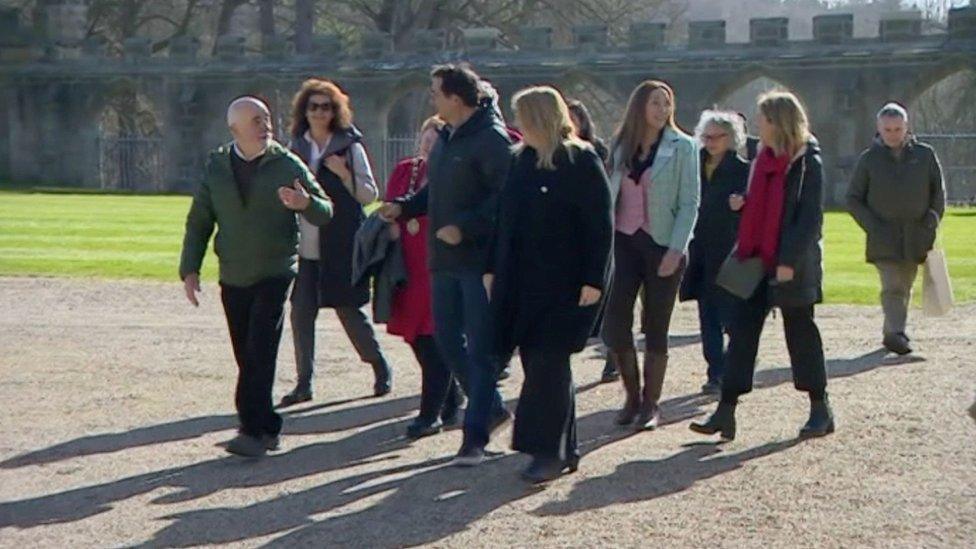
(722, 421)
(821, 420)
(383, 375)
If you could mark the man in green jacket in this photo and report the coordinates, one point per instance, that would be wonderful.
(897, 195)
(251, 191)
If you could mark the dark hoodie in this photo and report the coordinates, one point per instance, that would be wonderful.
(466, 170)
(898, 201)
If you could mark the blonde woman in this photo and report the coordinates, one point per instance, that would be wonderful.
(781, 224)
(549, 271)
(655, 188)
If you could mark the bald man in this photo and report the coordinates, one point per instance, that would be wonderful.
(252, 190)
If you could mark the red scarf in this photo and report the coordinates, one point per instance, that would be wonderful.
(763, 211)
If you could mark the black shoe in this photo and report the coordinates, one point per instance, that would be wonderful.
(295, 397)
(384, 378)
(712, 387)
(247, 446)
(272, 443)
(821, 420)
(547, 469)
(420, 428)
(897, 343)
(610, 373)
(469, 456)
(499, 421)
(722, 421)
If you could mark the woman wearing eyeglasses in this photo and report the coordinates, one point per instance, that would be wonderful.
(324, 137)
(723, 182)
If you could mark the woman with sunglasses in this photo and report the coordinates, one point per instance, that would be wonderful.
(723, 176)
(324, 137)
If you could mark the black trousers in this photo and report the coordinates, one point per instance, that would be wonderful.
(802, 341)
(438, 390)
(255, 315)
(545, 419)
(636, 260)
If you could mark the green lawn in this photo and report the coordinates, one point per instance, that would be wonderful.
(118, 236)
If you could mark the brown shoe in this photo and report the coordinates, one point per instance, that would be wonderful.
(655, 365)
(626, 362)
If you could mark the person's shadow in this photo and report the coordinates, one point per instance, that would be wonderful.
(414, 507)
(648, 479)
(409, 505)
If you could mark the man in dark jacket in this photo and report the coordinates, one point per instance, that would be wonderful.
(897, 195)
(251, 192)
(466, 170)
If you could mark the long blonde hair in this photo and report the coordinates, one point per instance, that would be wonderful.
(543, 111)
(630, 132)
(785, 113)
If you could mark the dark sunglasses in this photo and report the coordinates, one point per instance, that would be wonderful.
(313, 106)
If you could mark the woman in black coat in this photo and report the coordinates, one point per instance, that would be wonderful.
(723, 174)
(549, 270)
(324, 137)
(781, 224)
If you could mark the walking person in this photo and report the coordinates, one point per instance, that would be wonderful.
(465, 172)
(324, 137)
(781, 224)
(251, 192)
(549, 271)
(412, 316)
(897, 195)
(655, 188)
(586, 131)
(723, 175)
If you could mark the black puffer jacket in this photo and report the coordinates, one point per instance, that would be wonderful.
(801, 231)
(465, 173)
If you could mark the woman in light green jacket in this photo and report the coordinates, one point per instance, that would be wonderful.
(655, 187)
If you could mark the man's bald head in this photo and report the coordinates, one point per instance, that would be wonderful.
(245, 108)
(249, 120)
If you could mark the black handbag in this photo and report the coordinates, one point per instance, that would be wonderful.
(740, 277)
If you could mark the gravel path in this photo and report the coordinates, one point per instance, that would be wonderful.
(117, 394)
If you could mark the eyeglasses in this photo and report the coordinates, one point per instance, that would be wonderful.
(313, 106)
(708, 138)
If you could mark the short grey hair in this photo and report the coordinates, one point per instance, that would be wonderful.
(729, 121)
(236, 105)
(894, 110)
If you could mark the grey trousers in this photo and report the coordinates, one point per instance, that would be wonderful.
(897, 278)
(304, 312)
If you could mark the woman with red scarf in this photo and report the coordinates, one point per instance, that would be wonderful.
(411, 315)
(782, 220)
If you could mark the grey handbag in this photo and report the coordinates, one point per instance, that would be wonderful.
(740, 277)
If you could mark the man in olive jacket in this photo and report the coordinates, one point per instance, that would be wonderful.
(897, 195)
(251, 191)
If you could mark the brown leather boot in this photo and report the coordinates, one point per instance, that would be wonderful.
(655, 365)
(627, 365)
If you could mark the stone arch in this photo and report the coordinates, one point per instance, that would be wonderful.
(130, 129)
(739, 94)
(409, 105)
(942, 115)
(605, 102)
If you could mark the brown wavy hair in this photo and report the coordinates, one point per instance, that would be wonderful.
(631, 130)
(341, 109)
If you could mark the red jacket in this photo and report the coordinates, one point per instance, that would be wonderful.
(411, 314)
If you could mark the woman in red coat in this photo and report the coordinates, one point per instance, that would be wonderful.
(411, 316)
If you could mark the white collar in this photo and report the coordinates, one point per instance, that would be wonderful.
(240, 153)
